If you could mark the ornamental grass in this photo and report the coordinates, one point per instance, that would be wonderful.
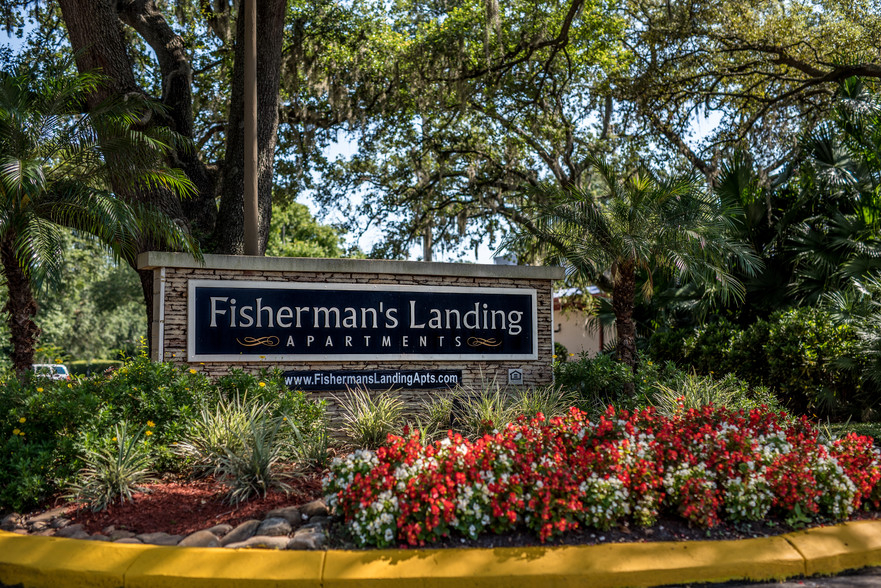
(555, 475)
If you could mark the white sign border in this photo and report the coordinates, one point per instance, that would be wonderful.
(191, 331)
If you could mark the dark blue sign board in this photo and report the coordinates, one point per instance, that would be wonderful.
(316, 380)
(232, 320)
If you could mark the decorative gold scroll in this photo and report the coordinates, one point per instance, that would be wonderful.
(481, 342)
(255, 341)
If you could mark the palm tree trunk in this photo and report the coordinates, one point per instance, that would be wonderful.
(21, 307)
(623, 301)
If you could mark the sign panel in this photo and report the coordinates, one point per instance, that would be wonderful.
(312, 380)
(231, 320)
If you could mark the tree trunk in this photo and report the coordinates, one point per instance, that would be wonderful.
(95, 29)
(21, 308)
(229, 232)
(623, 302)
(96, 38)
(96, 35)
(200, 210)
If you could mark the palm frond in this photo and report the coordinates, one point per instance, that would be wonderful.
(38, 247)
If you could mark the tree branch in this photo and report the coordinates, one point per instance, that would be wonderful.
(706, 169)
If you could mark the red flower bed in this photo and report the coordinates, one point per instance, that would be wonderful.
(566, 473)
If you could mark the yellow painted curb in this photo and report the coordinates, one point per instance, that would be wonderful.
(829, 550)
(196, 567)
(55, 562)
(598, 566)
(49, 562)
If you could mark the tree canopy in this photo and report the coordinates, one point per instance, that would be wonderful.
(457, 108)
(768, 69)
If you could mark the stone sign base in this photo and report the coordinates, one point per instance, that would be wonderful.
(173, 315)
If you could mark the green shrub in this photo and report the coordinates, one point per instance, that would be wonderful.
(807, 362)
(216, 430)
(268, 386)
(550, 401)
(312, 445)
(30, 472)
(707, 348)
(435, 417)
(173, 396)
(368, 419)
(117, 473)
(747, 356)
(42, 426)
(479, 410)
(251, 467)
(474, 411)
(810, 364)
(668, 345)
(141, 390)
(241, 440)
(560, 351)
(64, 418)
(594, 381)
(93, 367)
(694, 391)
(597, 382)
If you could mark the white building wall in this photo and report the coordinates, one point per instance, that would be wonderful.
(572, 330)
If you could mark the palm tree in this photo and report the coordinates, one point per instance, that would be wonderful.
(636, 225)
(55, 168)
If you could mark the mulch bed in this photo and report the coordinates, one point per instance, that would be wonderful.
(183, 507)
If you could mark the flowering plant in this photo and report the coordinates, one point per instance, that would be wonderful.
(554, 475)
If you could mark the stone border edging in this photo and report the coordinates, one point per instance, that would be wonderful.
(157, 259)
(50, 562)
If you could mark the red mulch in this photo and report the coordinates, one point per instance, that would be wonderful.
(181, 508)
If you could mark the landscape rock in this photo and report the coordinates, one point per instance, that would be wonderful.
(10, 521)
(220, 530)
(316, 508)
(244, 531)
(97, 537)
(274, 527)
(308, 523)
(200, 539)
(59, 522)
(72, 531)
(49, 515)
(290, 513)
(317, 521)
(311, 538)
(159, 538)
(260, 542)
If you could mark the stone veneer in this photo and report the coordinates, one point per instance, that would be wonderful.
(172, 271)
